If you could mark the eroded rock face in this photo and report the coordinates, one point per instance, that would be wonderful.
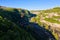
(15, 27)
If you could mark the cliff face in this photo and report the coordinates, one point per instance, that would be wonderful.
(15, 25)
(49, 18)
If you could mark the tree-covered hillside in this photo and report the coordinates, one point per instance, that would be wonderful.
(15, 25)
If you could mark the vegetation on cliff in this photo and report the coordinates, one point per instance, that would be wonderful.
(15, 25)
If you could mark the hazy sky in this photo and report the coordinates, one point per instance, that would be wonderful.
(30, 4)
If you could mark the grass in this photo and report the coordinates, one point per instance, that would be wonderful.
(9, 9)
(52, 20)
(56, 16)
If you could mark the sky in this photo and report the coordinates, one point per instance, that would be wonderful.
(31, 4)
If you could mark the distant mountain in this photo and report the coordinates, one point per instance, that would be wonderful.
(15, 25)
